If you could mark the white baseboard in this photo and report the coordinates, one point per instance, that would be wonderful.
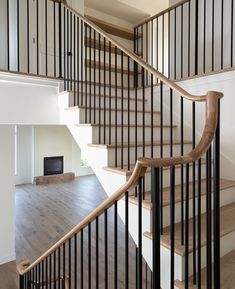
(7, 258)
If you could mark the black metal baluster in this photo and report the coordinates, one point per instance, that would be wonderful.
(213, 36)
(122, 108)
(115, 245)
(106, 249)
(169, 44)
(208, 220)
(89, 256)
(171, 122)
(172, 226)
(232, 29)
(43, 281)
(97, 251)
(143, 112)
(182, 41)
(8, 33)
(99, 94)
(182, 167)
(37, 33)
(94, 97)
(186, 269)
(54, 269)
(94, 67)
(71, 52)
(18, 36)
(161, 152)
(86, 64)
(175, 47)
(54, 34)
(64, 264)
(140, 267)
(199, 226)
(156, 227)
(74, 58)
(128, 113)
(59, 40)
(189, 34)
(196, 37)
(82, 62)
(65, 75)
(75, 261)
(116, 136)
(216, 201)
(28, 37)
(50, 271)
(110, 86)
(58, 267)
(78, 63)
(104, 100)
(163, 44)
(126, 240)
(151, 115)
(68, 52)
(147, 50)
(46, 37)
(82, 260)
(222, 34)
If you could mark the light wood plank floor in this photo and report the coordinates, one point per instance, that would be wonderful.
(46, 213)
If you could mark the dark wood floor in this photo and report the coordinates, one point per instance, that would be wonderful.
(46, 213)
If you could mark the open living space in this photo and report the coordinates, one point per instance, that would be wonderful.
(117, 161)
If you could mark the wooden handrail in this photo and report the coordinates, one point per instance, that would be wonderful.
(172, 7)
(141, 166)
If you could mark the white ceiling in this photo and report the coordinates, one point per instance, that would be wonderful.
(119, 9)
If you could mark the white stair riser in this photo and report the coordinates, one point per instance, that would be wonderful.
(132, 134)
(156, 153)
(105, 115)
(107, 101)
(166, 177)
(227, 196)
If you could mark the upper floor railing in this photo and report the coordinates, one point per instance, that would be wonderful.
(192, 37)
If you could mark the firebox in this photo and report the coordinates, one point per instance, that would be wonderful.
(53, 165)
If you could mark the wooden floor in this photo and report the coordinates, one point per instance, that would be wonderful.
(46, 213)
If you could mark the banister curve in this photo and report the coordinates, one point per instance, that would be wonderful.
(141, 166)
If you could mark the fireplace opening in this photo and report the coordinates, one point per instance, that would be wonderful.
(53, 165)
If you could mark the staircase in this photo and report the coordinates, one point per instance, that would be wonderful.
(161, 173)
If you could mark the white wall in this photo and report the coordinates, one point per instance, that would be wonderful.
(7, 194)
(57, 141)
(24, 151)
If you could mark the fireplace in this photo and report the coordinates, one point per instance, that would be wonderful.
(53, 165)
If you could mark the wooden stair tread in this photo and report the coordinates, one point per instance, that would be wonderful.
(227, 226)
(127, 172)
(107, 96)
(227, 263)
(95, 64)
(107, 85)
(224, 184)
(112, 109)
(94, 43)
(125, 125)
(140, 144)
(113, 29)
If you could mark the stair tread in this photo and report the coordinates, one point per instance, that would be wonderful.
(90, 42)
(107, 85)
(227, 263)
(224, 184)
(139, 144)
(125, 125)
(227, 226)
(112, 96)
(126, 172)
(112, 109)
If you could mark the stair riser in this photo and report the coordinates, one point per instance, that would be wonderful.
(166, 177)
(101, 101)
(226, 197)
(90, 75)
(95, 138)
(227, 245)
(101, 57)
(88, 116)
(156, 152)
